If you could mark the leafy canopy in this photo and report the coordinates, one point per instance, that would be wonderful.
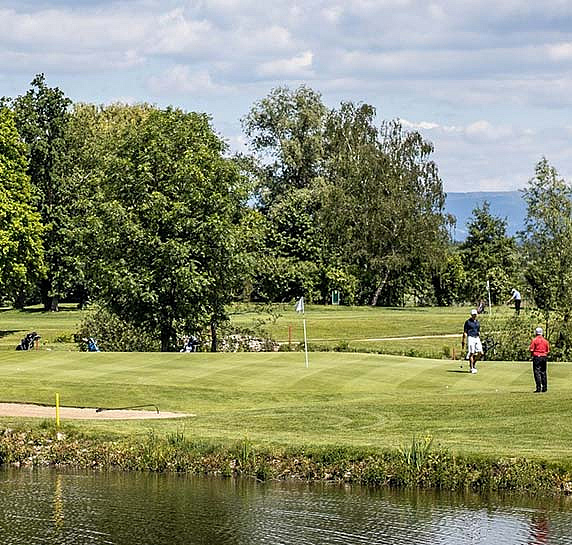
(21, 249)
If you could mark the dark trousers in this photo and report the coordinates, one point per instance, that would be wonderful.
(539, 370)
(517, 306)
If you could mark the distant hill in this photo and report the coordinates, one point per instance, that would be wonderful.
(507, 205)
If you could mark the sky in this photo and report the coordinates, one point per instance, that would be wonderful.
(489, 83)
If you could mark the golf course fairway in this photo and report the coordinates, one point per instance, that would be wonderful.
(368, 401)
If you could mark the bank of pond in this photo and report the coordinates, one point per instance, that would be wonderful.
(417, 465)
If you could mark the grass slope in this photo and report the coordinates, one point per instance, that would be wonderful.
(365, 400)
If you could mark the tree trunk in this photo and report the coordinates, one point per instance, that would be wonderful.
(166, 337)
(20, 300)
(376, 296)
(214, 339)
(164, 342)
(45, 294)
(50, 302)
(379, 290)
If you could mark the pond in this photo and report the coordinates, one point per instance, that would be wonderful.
(56, 507)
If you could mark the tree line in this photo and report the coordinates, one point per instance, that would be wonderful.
(143, 213)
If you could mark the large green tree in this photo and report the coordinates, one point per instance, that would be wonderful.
(163, 219)
(548, 238)
(41, 118)
(383, 201)
(344, 200)
(488, 255)
(449, 279)
(285, 133)
(21, 250)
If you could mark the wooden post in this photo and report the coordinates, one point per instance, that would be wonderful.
(58, 410)
(290, 337)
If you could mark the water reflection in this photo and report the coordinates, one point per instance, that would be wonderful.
(51, 507)
(539, 529)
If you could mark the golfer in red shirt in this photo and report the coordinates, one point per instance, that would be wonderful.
(539, 348)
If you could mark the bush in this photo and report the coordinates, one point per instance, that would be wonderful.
(509, 337)
(114, 334)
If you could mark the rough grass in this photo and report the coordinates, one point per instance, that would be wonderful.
(349, 400)
(56, 328)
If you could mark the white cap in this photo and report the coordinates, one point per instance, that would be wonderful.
(473, 312)
(539, 331)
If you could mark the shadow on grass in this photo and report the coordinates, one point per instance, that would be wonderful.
(40, 309)
(456, 371)
(9, 332)
(406, 309)
(66, 307)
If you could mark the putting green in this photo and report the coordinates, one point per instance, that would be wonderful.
(365, 400)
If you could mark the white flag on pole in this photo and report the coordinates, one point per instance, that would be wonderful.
(300, 308)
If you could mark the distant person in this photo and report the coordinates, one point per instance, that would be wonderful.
(471, 333)
(190, 344)
(517, 300)
(539, 348)
(481, 307)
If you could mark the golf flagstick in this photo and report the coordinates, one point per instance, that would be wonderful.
(300, 308)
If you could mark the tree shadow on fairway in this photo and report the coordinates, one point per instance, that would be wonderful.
(9, 332)
(61, 309)
(407, 309)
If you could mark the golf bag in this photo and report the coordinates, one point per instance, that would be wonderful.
(489, 345)
(27, 343)
(191, 344)
(91, 344)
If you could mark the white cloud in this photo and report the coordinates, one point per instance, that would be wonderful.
(480, 129)
(492, 184)
(80, 62)
(176, 33)
(484, 130)
(57, 28)
(123, 100)
(181, 79)
(486, 156)
(561, 51)
(332, 13)
(295, 67)
(424, 125)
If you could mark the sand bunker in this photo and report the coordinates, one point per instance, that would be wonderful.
(76, 413)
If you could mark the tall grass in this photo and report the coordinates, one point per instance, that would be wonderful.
(417, 465)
